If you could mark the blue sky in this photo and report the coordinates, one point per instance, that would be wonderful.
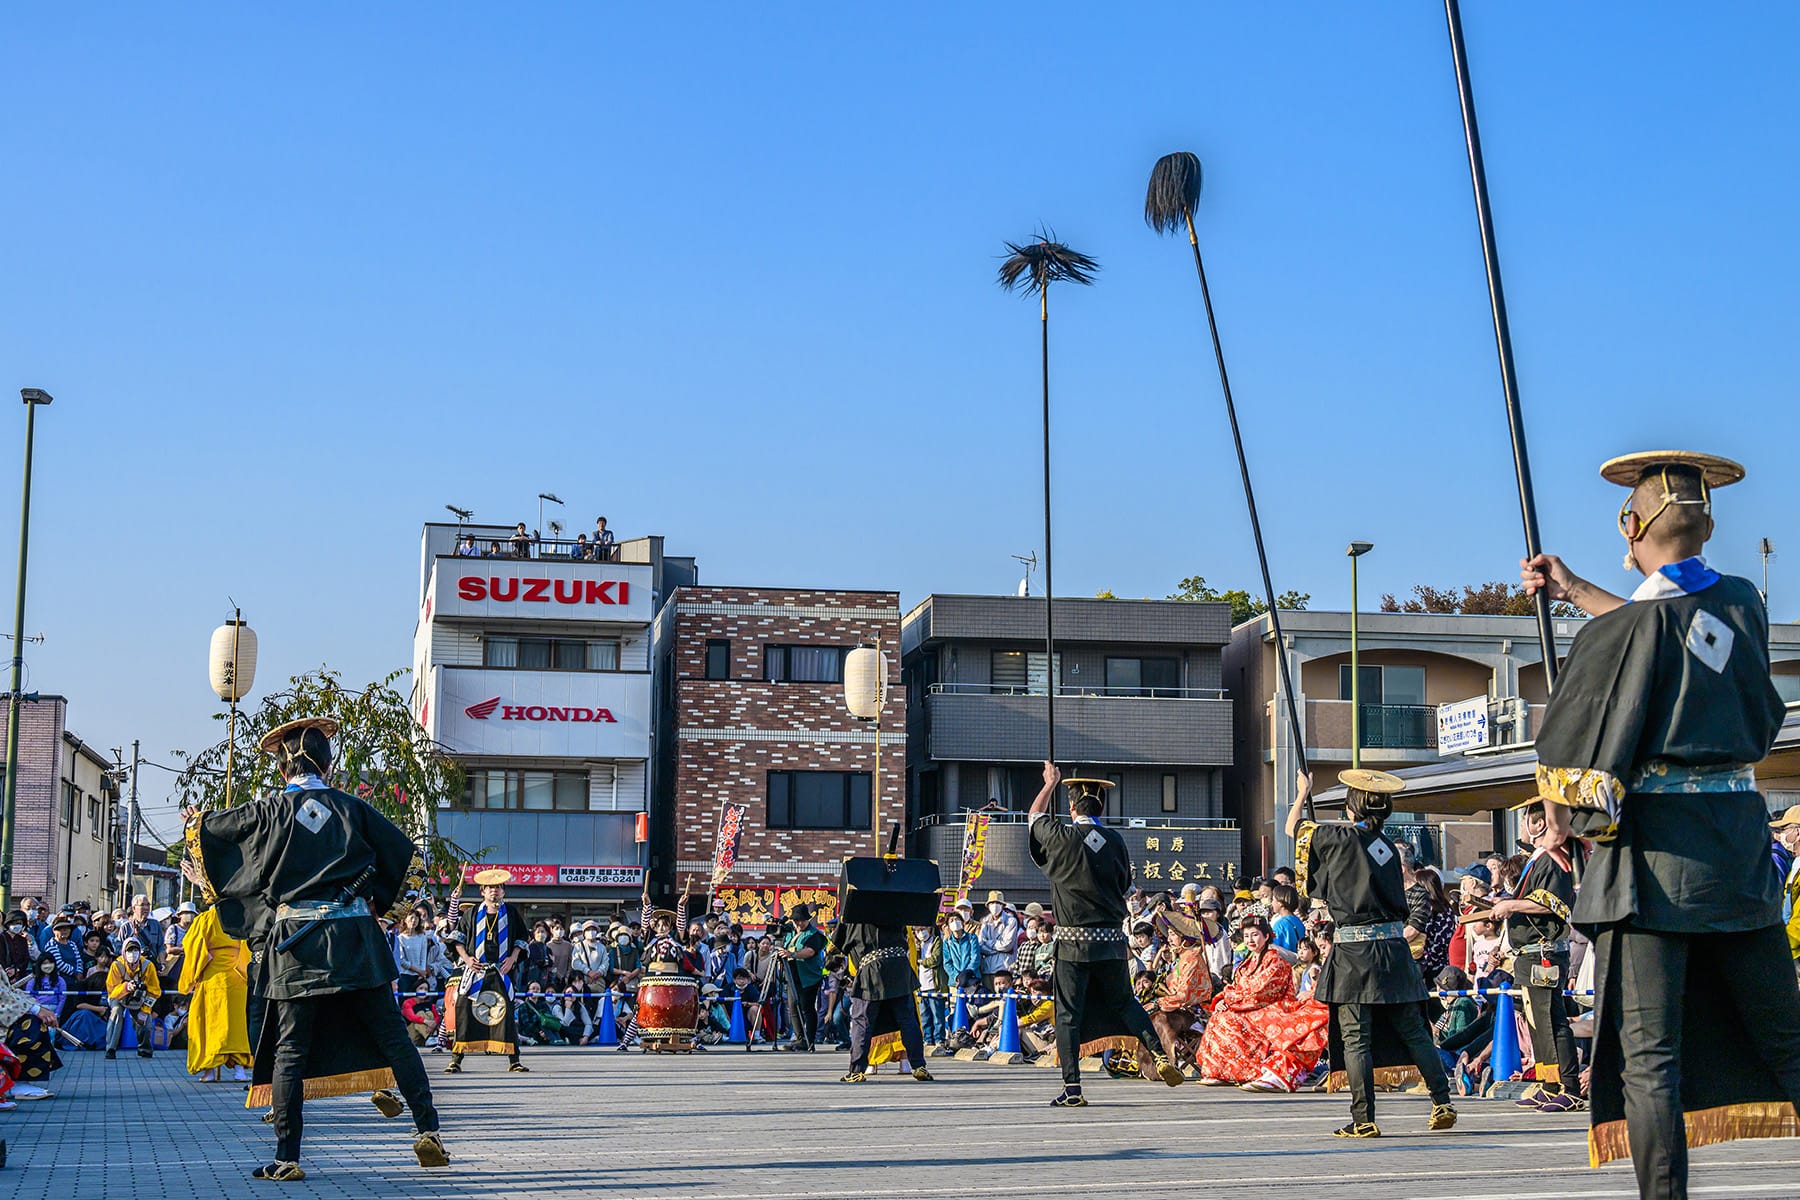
(300, 276)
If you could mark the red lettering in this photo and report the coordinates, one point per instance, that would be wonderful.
(599, 593)
(559, 714)
(504, 589)
(537, 713)
(581, 714)
(512, 713)
(574, 596)
(471, 588)
(624, 592)
(605, 714)
(535, 589)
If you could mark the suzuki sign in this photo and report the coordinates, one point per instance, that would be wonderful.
(543, 588)
(554, 714)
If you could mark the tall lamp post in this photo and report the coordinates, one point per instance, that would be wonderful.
(1356, 551)
(32, 397)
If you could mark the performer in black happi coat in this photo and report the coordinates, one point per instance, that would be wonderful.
(1090, 875)
(1663, 706)
(882, 993)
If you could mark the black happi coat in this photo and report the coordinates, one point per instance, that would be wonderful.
(1356, 872)
(1640, 687)
(1552, 885)
(294, 848)
(889, 978)
(1090, 875)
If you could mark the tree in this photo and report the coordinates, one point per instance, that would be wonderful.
(1491, 599)
(1243, 604)
(383, 756)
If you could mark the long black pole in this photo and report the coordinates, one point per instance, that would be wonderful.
(1509, 380)
(1262, 555)
(1049, 585)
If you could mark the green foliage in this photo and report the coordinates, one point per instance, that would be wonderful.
(1491, 599)
(1243, 604)
(383, 755)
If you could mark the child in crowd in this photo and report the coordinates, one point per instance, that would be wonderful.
(1306, 968)
(1284, 904)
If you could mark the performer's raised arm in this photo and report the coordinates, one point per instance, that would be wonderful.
(1550, 573)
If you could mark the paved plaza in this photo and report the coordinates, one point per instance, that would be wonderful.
(729, 1126)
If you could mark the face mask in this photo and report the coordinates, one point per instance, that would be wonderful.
(956, 927)
(993, 910)
(15, 927)
(132, 956)
(591, 936)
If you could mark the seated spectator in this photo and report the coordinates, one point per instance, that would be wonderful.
(606, 547)
(1037, 1019)
(27, 1029)
(1306, 968)
(578, 1025)
(17, 950)
(169, 1032)
(538, 1023)
(87, 1014)
(70, 963)
(1260, 1036)
(467, 547)
(46, 987)
(1214, 938)
(1460, 1012)
(421, 1017)
(494, 551)
(583, 550)
(521, 542)
(984, 1018)
(1144, 948)
(1179, 1003)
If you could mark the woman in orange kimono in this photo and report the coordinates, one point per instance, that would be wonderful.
(214, 974)
(1260, 1036)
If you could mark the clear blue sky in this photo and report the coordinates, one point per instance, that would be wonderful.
(298, 276)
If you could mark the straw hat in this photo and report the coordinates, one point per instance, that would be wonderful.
(272, 739)
(492, 877)
(1788, 819)
(1379, 783)
(1628, 470)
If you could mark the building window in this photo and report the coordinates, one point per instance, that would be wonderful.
(804, 664)
(94, 816)
(1171, 796)
(1020, 673)
(526, 791)
(1143, 676)
(718, 658)
(819, 800)
(548, 654)
(1384, 685)
(1113, 802)
(71, 806)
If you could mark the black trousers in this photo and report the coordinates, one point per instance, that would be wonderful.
(1548, 1011)
(295, 1028)
(1653, 968)
(1356, 1022)
(1104, 987)
(897, 1010)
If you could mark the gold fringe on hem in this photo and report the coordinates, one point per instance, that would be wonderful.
(483, 1048)
(1758, 1119)
(262, 1095)
(1392, 1078)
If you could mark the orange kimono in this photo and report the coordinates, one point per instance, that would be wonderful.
(1259, 1030)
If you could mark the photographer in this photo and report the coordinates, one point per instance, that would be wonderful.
(132, 987)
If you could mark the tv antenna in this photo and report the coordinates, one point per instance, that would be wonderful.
(462, 514)
(1030, 563)
(553, 498)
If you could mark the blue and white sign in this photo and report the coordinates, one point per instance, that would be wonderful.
(1463, 726)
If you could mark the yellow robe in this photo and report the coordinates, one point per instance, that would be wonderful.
(215, 972)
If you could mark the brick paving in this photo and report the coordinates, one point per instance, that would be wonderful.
(729, 1126)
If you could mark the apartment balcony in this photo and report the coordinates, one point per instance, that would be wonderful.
(1166, 852)
(1152, 726)
(1392, 733)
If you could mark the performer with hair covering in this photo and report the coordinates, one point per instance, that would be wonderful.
(302, 874)
(883, 984)
(1664, 704)
(490, 946)
(1090, 874)
(1370, 981)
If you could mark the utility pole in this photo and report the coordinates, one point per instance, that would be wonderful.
(131, 819)
(33, 397)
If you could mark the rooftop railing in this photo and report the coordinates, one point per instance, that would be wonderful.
(1076, 689)
(524, 546)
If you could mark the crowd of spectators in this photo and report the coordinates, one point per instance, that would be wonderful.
(599, 546)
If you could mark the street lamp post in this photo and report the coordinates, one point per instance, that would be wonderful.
(32, 398)
(1356, 551)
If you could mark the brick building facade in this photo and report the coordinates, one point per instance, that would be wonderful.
(65, 809)
(751, 709)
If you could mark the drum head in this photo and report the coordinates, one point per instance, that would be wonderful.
(488, 1006)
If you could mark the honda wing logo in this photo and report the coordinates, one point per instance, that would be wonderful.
(538, 712)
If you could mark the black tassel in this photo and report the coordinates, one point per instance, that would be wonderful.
(1174, 192)
(1036, 265)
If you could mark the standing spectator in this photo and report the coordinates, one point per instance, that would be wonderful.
(37, 924)
(146, 929)
(521, 542)
(1000, 934)
(70, 964)
(805, 947)
(1440, 925)
(184, 917)
(590, 957)
(606, 547)
(132, 989)
(562, 952)
(17, 950)
(931, 974)
(962, 948)
(1783, 848)
(419, 955)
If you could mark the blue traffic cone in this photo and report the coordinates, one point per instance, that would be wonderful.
(1506, 1060)
(129, 1040)
(609, 1022)
(1009, 1027)
(737, 1035)
(959, 1020)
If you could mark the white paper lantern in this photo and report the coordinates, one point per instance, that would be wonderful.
(233, 684)
(865, 682)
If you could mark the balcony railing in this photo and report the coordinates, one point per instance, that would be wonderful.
(520, 546)
(1397, 726)
(1076, 689)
